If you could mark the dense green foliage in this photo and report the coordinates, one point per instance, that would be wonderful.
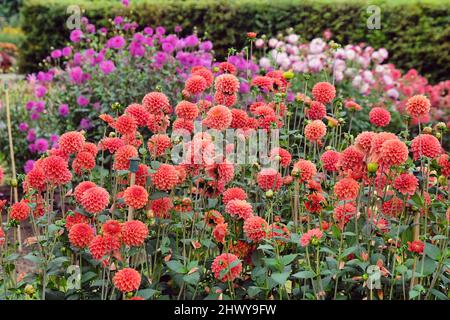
(415, 33)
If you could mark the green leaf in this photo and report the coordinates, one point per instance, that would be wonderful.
(413, 294)
(439, 237)
(432, 251)
(288, 259)
(176, 266)
(87, 276)
(146, 293)
(265, 247)
(279, 277)
(253, 291)
(349, 251)
(439, 294)
(192, 278)
(304, 275)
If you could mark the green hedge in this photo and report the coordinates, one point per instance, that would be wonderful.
(416, 33)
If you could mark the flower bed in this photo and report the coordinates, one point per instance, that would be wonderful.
(292, 170)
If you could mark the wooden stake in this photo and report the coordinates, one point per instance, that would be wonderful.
(13, 162)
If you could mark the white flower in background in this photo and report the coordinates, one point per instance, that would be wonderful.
(316, 46)
(292, 38)
(259, 43)
(264, 63)
(273, 42)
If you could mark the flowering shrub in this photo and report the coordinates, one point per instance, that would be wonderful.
(105, 68)
(162, 205)
(358, 68)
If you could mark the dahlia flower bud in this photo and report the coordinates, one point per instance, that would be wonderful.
(288, 75)
(441, 126)
(372, 167)
(269, 194)
(14, 183)
(427, 130)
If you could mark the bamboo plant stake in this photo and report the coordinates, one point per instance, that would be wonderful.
(134, 164)
(13, 162)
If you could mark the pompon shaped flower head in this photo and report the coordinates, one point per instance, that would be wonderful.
(235, 193)
(315, 202)
(81, 188)
(255, 228)
(269, 179)
(330, 159)
(196, 84)
(183, 125)
(75, 218)
(227, 100)
(418, 105)
(36, 179)
(282, 155)
(351, 158)
(20, 211)
(239, 119)
(213, 217)
(346, 189)
(393, 153)
(363, 141)
(102, 246)
(324, 92)
(112, 144)
(226, 267)
(135, 196)
(239, 208)
(406, 183)
(156, 102)
(80, 235)
(343, 213)
(123, 156)
(227, 84)
(158, 144)
(95, 200)
(313, 236)
(226, 67)
(91, 148)
(127, 280)
(165, 177)
(263, 82)
(379, 117)
(316, 111)
(133, 233)
(205, 73)
(218, 117)
(71, 142)
(84, 161)
(126, 124)
(112, 228)
(392, 207)
(379, 139)
(161, 207)
(426, 145)
(417, 246)
(304, 169)
(186, 110)
(139, 113)
(315, 130)
(220, 232)
(56, 170)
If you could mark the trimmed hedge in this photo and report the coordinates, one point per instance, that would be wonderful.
(416, 33)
